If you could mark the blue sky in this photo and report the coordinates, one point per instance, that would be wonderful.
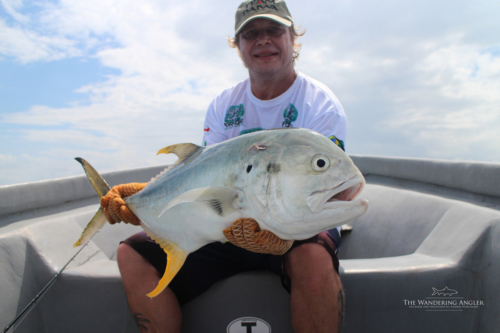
(113, 81)
(53, 83)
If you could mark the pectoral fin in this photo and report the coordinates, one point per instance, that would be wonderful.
(175, 259)
(223, 200)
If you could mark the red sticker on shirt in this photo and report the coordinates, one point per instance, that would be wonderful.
(206, 129)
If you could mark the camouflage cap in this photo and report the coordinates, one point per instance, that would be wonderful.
(275, 10)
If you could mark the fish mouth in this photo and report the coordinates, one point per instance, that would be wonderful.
(348, 190)
(342, 195)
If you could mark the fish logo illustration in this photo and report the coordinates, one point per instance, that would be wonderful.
(446, 291)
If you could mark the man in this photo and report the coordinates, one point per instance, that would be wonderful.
(274, 95)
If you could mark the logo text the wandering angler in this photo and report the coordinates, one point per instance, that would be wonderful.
(445, 299)
(437, 302)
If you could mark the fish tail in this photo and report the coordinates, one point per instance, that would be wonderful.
(92, 227)
(175, 259)
(99, 184)
(101, 187)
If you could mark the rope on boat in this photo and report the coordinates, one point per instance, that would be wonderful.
(42, 292)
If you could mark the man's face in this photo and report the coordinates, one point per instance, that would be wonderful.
(266, 47)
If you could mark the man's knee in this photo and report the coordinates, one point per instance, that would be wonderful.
(131, 262)
(124, 254)
(311, 264)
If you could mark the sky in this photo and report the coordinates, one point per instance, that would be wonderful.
(113, 81)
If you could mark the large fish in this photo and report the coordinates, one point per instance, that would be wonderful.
(295, 183)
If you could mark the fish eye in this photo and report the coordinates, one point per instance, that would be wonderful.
(320, 163)
(249, 168)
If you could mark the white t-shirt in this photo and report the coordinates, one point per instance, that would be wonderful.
(307, 104)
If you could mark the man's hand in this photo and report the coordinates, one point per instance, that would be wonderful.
(246, 233)
(114, 207)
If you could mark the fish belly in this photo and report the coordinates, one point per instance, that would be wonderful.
(189, 225)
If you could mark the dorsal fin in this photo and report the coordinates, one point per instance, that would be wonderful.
(182, 150)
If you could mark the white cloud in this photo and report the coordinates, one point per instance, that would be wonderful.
(411, 93)
(11, 7)
(28, 46)
(7, 160)
(463, 72)
(459, 115)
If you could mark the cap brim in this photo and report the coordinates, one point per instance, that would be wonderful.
(275, 18)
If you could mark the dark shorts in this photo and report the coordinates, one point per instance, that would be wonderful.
(217, 261)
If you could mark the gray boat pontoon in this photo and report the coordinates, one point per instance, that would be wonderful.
(425, 258)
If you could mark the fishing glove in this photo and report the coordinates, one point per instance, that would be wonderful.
(114, 207)
(246, 234)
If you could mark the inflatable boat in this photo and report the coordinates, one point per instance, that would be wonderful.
(424, 258)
